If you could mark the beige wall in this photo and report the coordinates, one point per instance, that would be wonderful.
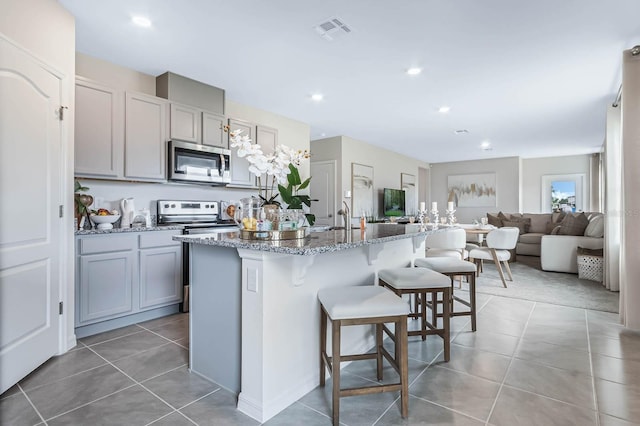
(387, 165)
(533, 169)
(507, 172)
(47, 30)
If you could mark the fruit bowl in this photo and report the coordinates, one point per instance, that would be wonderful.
(104, 221)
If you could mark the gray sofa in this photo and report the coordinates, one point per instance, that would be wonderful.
(541, 236)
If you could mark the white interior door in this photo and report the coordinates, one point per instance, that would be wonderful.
(30, 184)
(323, 189)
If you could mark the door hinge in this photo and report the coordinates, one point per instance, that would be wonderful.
(61, 210)
(61, 112)
(60, 308)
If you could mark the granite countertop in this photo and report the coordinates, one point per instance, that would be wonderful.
(121, 230)
(316, 242)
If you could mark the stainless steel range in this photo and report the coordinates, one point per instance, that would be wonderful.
(198, 217)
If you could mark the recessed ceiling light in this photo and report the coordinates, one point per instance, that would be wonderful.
(444, 109)
(485, 145)
(414, 71)
(141, 21)
(317, 97)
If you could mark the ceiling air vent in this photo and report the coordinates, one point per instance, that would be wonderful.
(332, 28)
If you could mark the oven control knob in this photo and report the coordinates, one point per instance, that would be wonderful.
(166, 206)
(173, 206)
(206, 206)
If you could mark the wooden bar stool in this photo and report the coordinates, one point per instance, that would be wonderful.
(346, 306)
(420, 282)
(455, 267)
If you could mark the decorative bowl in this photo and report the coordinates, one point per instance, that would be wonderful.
(104, 222)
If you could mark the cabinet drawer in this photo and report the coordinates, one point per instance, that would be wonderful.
(107, 243)
(159, 239)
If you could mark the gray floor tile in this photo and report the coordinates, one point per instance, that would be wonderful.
(62, 366)
(173, 419)
(495, 324)
(554, 356)
(458, 391)
(487, 365)
(154, 323)
(616, 370)
(9, 392)
(178, 329)
(423, 413)
(606, 420)
(622, 401)
(572, 340)
(547, 312)
(116, 349)
(299, 414)
(153, 362)
(507, 308)
(184, 342)
(113, 334)
(564, 385)
(626, 348)
(15, 410)
(218, 408)
(131, 407)
(607, 329)
(603, 317)
(66, 394)
(356, 410)
(180, 387)
(421, 350)
(515, 407)
(488, 341)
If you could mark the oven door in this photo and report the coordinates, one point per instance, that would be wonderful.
(190, 162)
(193, 230)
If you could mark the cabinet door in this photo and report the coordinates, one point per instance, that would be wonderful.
(213, 133)
(267, 137)
(240, 174)
(185, 123)
(99, 135)
(105, 286)
(145, 137)
(160, 276)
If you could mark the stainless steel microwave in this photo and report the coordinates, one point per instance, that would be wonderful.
(192, 162)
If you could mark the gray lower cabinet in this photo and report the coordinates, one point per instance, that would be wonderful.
(125, 275)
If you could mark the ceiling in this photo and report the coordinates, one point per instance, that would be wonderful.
(533, 78)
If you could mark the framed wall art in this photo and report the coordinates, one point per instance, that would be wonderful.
(477, 190)
(361, 190)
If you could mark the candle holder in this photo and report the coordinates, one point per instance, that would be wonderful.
(433, 217)
(451, 217)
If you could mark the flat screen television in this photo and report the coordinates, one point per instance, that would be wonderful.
(393, 202)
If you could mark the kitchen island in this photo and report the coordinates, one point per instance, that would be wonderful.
(254, 314)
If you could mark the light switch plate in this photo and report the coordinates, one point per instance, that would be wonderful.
(252, 280)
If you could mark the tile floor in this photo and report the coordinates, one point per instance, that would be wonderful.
(528, 364)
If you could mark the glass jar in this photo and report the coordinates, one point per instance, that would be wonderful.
(247, 213)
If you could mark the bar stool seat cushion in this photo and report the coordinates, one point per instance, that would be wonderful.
(413, 278)
(361, 302)
(446, 264)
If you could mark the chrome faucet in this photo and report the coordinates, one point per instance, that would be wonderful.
(346, 215)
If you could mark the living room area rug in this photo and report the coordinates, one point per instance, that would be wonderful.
(549, 287)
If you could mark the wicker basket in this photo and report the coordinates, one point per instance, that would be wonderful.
(590, 264)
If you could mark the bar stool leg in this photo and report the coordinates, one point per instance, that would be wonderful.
(423, 297)
(472, 300)
(335, 370)
(403, 362)
(379, 350)
(323, 344)
(446, 294)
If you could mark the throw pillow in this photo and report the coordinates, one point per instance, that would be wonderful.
(595, 227)
(503, 217)
(494, 220)
(555, 230)
(515, 224)
(573, 224)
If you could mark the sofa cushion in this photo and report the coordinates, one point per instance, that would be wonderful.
(531, 238)
(595, 228)
(538, 222)
(494, 220)
(503, 216)
(516, 224)
(573, 224)
(524, 249)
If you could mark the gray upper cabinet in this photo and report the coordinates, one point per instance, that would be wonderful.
(99, 134)
(146, 123)
(267, 137)
(213, 133)
(186, 123)
(240, 175)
